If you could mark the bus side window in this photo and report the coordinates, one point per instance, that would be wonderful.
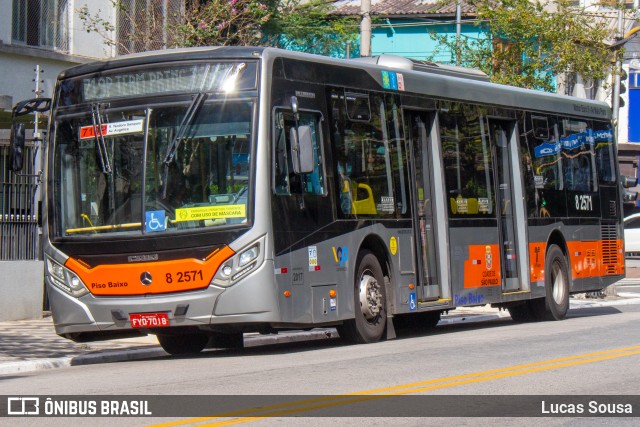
(285, 181)
(578, 156)
(605, 153)
(467, 162)
(369, 157)
(280, 157)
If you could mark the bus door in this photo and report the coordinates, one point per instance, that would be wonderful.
(511, 214)
(419, 127)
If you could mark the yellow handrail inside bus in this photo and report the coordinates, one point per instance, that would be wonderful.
(103, 228)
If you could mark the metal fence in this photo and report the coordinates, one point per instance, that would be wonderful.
(19, 234)
(143, 25)
(41, 23)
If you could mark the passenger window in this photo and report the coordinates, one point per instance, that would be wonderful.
(368, 154)
(467, 161)
(285, 181)
(605, 157)
(547, 156)
(578, 161)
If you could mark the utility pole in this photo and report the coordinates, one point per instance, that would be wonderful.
(38, 161)
(615, 102)
(458, 25)
(37, 91)
(365, 28)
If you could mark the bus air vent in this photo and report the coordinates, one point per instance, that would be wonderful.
(609, 248)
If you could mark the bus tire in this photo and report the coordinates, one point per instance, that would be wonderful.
(370, 302)
(429, 319)
(233, 340)
(555, 305)
(522, 313)
(183, 344)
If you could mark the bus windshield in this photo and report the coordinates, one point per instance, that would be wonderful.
(152, 170)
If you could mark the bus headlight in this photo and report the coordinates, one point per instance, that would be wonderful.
(239, 265)
(65, 279)
(249, 255)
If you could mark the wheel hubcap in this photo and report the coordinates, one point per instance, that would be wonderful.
(370, 296)
(558, 283)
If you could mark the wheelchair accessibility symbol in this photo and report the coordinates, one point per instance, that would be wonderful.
(412, 301)
(154, 221)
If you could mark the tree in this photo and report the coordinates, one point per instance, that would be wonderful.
(309, 26)
(528, 43)
(303, 25)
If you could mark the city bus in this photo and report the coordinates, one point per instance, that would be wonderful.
(199, 194)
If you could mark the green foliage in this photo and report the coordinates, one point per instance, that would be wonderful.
(308, 26)
(527, 43)
(224, 23)
(303, 25)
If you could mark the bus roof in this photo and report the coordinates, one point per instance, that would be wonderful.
(445, 82)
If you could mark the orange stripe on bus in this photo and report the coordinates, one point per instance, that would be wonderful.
(595, 258)
(482, 268)
(537, 254)
(166, 276)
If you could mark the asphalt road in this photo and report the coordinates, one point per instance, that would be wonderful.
(596, 351)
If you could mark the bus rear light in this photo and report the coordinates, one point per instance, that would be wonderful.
(287, 294)
(332, 293)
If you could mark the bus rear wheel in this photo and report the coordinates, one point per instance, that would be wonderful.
(183, 344)
(555, 305)
(370, 302)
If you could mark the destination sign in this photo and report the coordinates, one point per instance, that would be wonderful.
(154, 80)
(110, 129)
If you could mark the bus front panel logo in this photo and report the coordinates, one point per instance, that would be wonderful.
(146, 278)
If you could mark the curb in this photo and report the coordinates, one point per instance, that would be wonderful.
(256, 340)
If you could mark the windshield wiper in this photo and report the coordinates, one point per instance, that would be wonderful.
(101, 146)
(179, 135)
(186, 121)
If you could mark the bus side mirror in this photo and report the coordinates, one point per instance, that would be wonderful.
(16, 150)
(628, 181)
(302, 149)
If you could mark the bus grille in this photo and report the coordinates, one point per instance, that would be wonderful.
(610, 257)
(613, 208)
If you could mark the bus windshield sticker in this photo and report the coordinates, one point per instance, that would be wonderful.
(154, 221)
(210, 212)
(386, 204)
(111, 129)
(483, 205)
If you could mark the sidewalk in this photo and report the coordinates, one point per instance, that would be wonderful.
(31, 345)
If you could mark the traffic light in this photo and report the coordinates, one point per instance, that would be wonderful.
(623, 86)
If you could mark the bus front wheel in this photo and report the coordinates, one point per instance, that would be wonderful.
(370, 301)
(555, 304)
(183, 344)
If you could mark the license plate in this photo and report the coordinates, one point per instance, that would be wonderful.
(149, 320)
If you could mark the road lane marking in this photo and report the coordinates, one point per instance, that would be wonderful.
(307, 405)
